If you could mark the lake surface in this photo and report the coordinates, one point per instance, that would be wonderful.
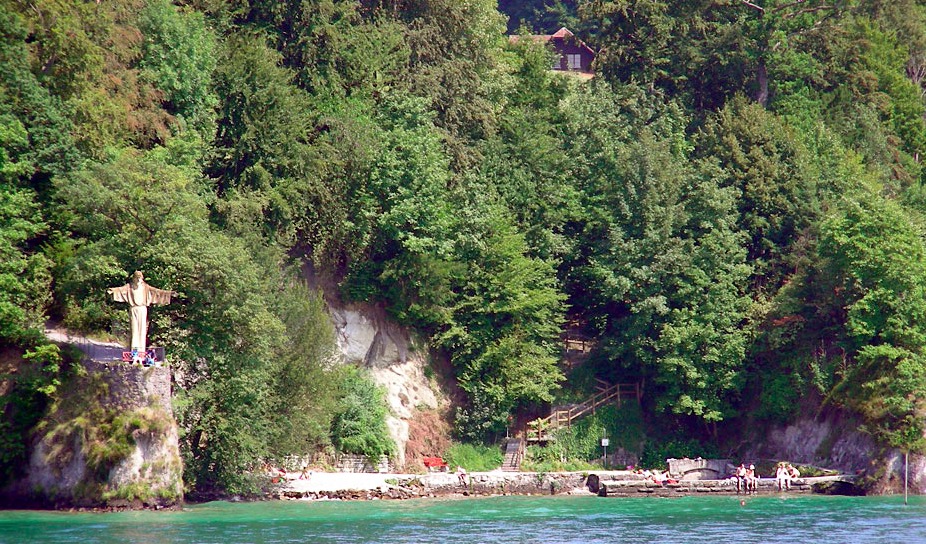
(499, 519)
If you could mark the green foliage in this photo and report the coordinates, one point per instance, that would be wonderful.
(474, 457)
(767, 168)
(779, 399)
(265, 161)
(359, 424)
(541, 16)
(655, 453)
(25, 278)
(504, 322)
(455, 49)
(28, 109)
(882, 290)
(638, 34)
(659, 268)
(28, 392)
(578, 446)
(731, 209)
(872, 103)
(305, 386)
(179, 56)
(550, 459)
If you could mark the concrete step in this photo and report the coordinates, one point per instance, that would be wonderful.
(512, 461)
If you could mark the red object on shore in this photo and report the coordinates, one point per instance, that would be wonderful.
(432, 463)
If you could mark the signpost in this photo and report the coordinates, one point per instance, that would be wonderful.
(604, 445)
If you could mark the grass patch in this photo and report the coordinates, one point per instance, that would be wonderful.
(543, 459)
(474, 457)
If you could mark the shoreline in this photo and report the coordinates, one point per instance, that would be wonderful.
(349, 486)
(374, 486)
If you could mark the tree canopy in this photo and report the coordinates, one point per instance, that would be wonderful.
(732, 208)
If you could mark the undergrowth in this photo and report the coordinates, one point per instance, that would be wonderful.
(474, 457)
(80, 424)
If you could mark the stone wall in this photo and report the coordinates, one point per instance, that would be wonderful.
(832, 439)
(134, 386)
(361, 463)
(698, 469)
(833, 485)
(151, 473)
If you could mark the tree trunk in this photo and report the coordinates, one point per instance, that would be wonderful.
(762, 82)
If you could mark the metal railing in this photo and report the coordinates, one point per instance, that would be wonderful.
(95, 351)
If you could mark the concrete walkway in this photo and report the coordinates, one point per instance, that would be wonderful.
(840, 484)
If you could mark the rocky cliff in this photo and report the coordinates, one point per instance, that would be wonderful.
(833, 439)
(111, 439)
(396, 360)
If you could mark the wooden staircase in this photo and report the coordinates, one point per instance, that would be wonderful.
(514, 453)
(539, 430)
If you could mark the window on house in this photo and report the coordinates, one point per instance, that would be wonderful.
(574, 62)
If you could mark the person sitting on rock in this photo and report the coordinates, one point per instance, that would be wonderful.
(752, 479)
(783, 477)
(741, 478)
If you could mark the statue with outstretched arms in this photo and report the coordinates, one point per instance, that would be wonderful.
(139, 295)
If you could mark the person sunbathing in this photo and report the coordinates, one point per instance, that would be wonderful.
(662, 478)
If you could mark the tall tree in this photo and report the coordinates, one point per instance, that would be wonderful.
(504, 323)
(658, 269)
(879, 258)
(179, 57)
(775, 190)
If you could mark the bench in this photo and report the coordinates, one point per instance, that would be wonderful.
(435, 463)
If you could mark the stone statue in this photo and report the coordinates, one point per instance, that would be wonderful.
(139, 295)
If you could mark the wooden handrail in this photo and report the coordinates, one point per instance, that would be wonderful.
(537, 429)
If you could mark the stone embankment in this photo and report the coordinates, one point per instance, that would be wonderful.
(438, 484)
(834, 485)
(121, 414)
(332, 486)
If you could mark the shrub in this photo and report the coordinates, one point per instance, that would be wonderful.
(474, 457)
(359, 425)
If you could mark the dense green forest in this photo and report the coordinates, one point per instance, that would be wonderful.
(732, 208)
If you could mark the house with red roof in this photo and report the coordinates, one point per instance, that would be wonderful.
(572, 53)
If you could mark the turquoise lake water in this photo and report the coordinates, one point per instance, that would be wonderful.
(499, 519)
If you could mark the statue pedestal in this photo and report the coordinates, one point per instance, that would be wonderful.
(112, 440)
